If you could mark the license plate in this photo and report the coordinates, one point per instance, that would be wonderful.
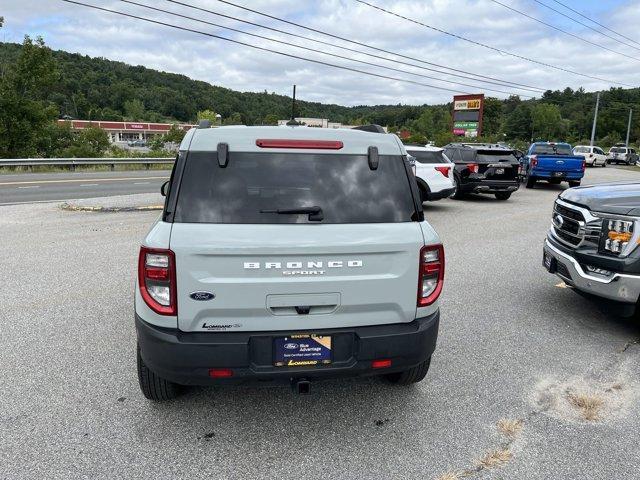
(499, 171)
(302, 350)
(558, 174)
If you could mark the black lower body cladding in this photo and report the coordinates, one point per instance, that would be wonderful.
(489, 186)
(186, 357)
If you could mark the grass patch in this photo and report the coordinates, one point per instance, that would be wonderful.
(495, 458)
(590, 406)
(450, 476)
(510, 428)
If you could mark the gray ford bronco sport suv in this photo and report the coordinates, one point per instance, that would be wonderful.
(287, 254)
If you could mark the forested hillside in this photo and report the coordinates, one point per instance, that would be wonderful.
(99, 89)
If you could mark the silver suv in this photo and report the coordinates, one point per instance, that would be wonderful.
(287, 254)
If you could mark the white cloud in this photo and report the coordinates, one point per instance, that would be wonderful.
(78, 29)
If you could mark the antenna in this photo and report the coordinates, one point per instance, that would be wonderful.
(292, 122)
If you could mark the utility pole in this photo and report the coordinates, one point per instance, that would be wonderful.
(293, 121)
(629, 128)
(595, 119)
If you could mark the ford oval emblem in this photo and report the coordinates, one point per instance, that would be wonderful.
(202, 296)
(290, 346)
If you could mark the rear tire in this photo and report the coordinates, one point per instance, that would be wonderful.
(424, 194)
(412, 375)
(574, 183)
(457, 193)
(530, 182)
(503, 195)
(154, 387)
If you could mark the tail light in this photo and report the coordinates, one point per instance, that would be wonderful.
(443, 170)
(584, 165)
(533, 161)
(431, 276)
(473, 167)
(157, 280)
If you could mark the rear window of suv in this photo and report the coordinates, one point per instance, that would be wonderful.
(424, 156)
(488, 156)
(618, 150)
(343, 186)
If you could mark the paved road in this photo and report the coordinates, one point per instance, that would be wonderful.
(39, 187)
(513, 345)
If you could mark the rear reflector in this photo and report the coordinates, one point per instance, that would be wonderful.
(383, 363)
(220, 372)
(303, 144)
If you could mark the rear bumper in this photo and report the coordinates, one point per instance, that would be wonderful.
(619, 287)
(446, 193)
(544, 175)
(185, 358)
(490, 186)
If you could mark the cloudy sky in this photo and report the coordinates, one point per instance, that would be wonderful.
(96, 33)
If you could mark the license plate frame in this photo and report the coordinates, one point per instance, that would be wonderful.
(302, 350)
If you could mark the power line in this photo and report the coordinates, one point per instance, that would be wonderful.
(593, 21)
(470, 76)
(264, 49)
(309, 49)
(531, 17)
(585, 25)
(495, 49)
(273, 17)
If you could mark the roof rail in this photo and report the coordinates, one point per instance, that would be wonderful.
(373, 128)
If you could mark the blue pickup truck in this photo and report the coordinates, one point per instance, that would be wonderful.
(552, 162)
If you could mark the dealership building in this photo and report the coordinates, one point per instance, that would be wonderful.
(123, 132)
(316, 122)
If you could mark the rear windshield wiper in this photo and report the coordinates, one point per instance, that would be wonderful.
(315, 213)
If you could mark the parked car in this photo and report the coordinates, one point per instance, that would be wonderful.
(433, 170)
(287, 255)
(593, 241)
(593, 156)
(483, 168)
(553, 162)
(137, 143)
(622, 154)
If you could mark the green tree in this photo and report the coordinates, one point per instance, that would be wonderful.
(518, 122)
(88, 143)
(174, 135)
(492, 116)
(208, 115)
(546, 121)
(24, 112)
(271, 119)
(234, 119)
(134, 109)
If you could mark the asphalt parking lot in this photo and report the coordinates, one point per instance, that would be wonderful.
(514, 345)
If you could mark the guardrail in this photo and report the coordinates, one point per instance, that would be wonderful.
(73, 162)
